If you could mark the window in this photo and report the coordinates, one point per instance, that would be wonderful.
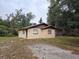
(49, 32)
(35, 31)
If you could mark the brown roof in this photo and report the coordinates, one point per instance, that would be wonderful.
(49, 26)
(42, 27)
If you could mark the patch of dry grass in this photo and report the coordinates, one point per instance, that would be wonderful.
(15, 49)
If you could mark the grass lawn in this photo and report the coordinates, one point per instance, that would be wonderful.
(17, 46)
(4, 39)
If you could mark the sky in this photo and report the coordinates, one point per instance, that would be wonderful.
(38, 7)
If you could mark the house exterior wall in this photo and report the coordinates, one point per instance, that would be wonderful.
(46, 35)
(41, 33)
(22, 34)
(31, 35)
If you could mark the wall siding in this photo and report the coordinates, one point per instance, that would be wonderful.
(46, 35)
(41, 34)
(21, 34)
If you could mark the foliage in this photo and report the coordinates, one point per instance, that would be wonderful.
(40, 21)
(63, 14)
(14, 21)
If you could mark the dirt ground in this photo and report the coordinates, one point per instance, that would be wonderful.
(46, 51)
(15, 50)
(33, 49)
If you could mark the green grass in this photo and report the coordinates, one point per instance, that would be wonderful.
(71, 41)
(4, 39)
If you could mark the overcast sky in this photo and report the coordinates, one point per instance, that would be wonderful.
(37, 7)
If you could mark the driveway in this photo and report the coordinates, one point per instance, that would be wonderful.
(45, 51)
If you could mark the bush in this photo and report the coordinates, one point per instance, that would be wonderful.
(8, 32)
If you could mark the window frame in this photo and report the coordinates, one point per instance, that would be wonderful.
(35, 31)
(49, 31)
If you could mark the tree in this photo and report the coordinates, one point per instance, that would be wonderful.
(64, 14)
(29, 16)
(54, 12)
(21, 20)
(14, 21)
(40, 21)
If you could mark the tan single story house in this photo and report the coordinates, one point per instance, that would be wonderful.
(37, 31)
